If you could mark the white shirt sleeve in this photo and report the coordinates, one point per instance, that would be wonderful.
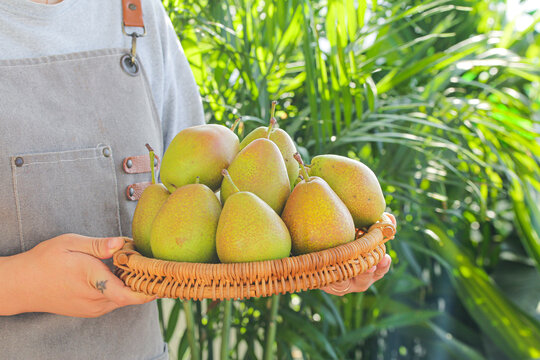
(176, 94)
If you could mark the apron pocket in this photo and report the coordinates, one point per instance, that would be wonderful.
(65, 192)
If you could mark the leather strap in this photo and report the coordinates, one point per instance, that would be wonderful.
(139, 164)
(134, 191)
(133, 15)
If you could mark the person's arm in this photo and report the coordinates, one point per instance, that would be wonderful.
(64, 276)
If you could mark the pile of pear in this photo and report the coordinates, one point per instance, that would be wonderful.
(222, 200)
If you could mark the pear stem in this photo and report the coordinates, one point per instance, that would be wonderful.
(237, 121)
(298, 158)
(152, 162)
(273, 122)
(226, 174)
(272, 118)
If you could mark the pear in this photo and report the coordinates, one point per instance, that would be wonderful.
(199, 151)
(250, 230)
(151, 200)
(259, 168)
(355, 184)
(315, 216)
(283, 142)
(185, 227)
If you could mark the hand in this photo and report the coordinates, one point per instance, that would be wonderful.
(363, 281)
(64, 276)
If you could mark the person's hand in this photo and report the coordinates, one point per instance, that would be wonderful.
(360, 282)
(64, 276)
(363, 281)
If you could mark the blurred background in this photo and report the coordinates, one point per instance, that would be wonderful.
(442, 100)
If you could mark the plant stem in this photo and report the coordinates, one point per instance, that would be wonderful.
(190, 324)
(226, 329)
(298, 158)
(152, 163)
(271, 329)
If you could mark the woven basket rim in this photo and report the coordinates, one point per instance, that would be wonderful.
(163, 277)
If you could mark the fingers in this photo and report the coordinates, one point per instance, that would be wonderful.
(112, 288)
(101, 248)
(392, 218)
(382, 267)
(340, 288)
(361, 282)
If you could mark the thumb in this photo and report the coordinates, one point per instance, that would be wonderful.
(101, 248)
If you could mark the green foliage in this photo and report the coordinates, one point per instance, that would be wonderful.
(442, 100)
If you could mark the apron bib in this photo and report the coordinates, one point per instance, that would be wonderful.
(67, 124)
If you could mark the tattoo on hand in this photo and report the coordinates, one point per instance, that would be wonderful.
(101, 285)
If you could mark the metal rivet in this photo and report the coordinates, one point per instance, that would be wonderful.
(19, 161)
(131, 68)
(129, 164)
(106, 152)
(132, 7)
(131, 191)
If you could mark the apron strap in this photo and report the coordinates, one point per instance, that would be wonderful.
(133, 18)
(132, 13)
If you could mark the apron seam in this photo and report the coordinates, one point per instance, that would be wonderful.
(118, 220)
(53, 59)
(59, 161)
(17, 205)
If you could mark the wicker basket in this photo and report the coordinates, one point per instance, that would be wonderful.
(197, 281)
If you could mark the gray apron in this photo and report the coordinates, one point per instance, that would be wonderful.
(66, 124)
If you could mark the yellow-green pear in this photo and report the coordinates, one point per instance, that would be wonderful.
(250, 230)
(259, 168)
(185, 227)
(316, 217)
(151, 200)
(199, 151)
(283, 142)
(355, 184)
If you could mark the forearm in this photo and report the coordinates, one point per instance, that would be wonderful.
(12, 298)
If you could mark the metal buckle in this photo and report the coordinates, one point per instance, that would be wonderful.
(134, 35)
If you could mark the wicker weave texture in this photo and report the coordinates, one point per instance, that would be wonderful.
(170, 279)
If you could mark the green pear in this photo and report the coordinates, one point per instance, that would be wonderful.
(259, 168)
(355, 184)
(151, 200)
(316, 217)
(283, 142)
(199, 151)
(185, 227)
(250, 230)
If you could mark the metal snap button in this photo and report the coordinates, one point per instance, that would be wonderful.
(131, 191)
(19, 161)
(106, 152)
(132, 7)
(129, 163)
